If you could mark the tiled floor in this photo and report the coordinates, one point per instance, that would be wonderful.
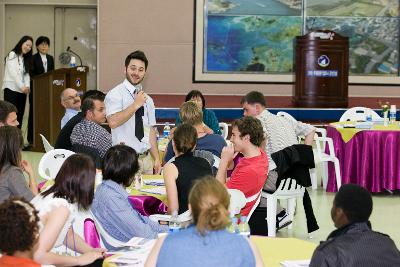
(385, 216)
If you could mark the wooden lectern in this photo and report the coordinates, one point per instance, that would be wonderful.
(47, 109)
(322, 70)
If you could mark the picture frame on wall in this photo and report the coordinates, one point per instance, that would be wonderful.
(253, 41)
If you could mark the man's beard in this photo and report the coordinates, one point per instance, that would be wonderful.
(129, 78)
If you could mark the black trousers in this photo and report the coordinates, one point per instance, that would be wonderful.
(18, 99)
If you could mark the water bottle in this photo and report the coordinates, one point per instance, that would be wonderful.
(244, 228)
(392, 114)
(167, 130)
(233, 227)
(173, 224)
(72, 63)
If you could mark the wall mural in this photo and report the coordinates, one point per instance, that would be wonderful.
(252, 40)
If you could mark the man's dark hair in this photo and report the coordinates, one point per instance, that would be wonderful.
(137, 55)
(91, 93)
(42, 39)
(19, 226)
(5, 109)
(120, 164)
(252, 127)
(88, 103)
(75, 181)
(355, 201)
(196, 93)
(254, 97)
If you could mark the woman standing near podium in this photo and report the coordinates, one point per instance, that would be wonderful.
(16, 81)
(41, 63)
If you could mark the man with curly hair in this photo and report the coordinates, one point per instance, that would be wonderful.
(19, 232)
(251, 172)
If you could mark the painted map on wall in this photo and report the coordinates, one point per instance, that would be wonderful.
(257, 35)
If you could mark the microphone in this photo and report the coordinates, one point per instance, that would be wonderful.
(72, 52)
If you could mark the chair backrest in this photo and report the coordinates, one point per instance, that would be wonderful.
(252, 198)
(224, 129)
(289, 188)
(105, 236)
(237, 202)
(46, 144)
(359, 114)
(51, 162)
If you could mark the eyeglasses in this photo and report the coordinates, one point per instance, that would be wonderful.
(71, 98)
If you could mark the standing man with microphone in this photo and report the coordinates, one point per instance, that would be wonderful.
(131, 114)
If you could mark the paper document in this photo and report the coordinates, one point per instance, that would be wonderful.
(296, 263)
(156, 190)
(154, 182)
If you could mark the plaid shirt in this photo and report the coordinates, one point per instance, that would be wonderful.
(91, 134)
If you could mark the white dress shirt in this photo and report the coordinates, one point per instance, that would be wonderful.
(118, 99)
(14, 73)
(44, 61)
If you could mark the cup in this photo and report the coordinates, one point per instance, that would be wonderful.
(138, 181)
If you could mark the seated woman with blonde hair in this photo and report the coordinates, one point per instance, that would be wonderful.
(207, 242)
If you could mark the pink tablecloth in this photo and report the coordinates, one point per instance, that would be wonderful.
(371, 159)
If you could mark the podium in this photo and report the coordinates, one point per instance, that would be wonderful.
(321, 70)
(47, 108)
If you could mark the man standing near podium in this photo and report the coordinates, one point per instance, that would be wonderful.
(131, 114)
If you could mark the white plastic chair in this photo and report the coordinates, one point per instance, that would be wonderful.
(288, 189)
(104, 235)
(51, 162)
(320, 157)
(237, 201)
(224, 129)
(251, 199)
(46, 144)
(182, 218)
(359, 114)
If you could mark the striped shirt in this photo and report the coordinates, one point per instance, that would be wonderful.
(281, 132)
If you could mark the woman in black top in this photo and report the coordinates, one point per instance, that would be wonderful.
(180, 174)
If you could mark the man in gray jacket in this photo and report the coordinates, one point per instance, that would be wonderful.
(354, 243)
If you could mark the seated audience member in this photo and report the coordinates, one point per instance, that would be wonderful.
(8, 114)
(64, 137)
(73, 190)
(191, 114)
(71, 101)
(186, 168)
(207, 242)
(89, 133)
(354, 243)
(209, 118)
(111, 206)
(19, 231)
(251, 172)
(12, 179)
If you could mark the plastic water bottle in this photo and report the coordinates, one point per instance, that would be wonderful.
(166, 130)
(72, 63)
(392, 114)
(233, 227)
(173, 224)
(244, 228)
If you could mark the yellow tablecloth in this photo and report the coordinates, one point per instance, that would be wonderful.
(348, 133)
(135, 192)
(274, 250)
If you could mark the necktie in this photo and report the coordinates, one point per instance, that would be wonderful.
(139, 123)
